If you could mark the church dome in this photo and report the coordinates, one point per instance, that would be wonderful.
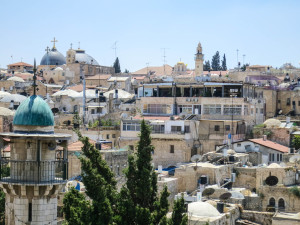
(82, 57)
(53, 58)
(34, 111)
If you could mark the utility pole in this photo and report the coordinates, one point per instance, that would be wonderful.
(115, 48)
(164, 59)
(244, 59)
(237, 56)
(84, 94)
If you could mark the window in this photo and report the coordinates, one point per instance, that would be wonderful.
(131, 126)
(288, 101)
(280, 157)
(175, 129)
(107, 136)
(272, 202)
(171, 148)
(279, 101)
(277, 156)
(212, 109)
(246, 110)
(281, 204)
(157, 109)
(233, 109)
(251, 111)
(298, 103)
(256, 110)
(294, 103)
(217, 128)
(227, 127)
(185, 109)
(131, 147)
(158, 129)
(186, 129)
(270, 157)
(30, 212)
(239, 145)
(113, 135)
(273, 157)
(261, 111)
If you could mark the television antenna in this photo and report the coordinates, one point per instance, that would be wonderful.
(114, 46)
(164, 59)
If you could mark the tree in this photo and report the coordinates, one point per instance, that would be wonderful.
(206, 66)
(215, 62)
(224, 67)
(76, 208)
(179, 216)
(126, 71)
(243, 68)
(117, 66)
(296, 142)
(100, 188)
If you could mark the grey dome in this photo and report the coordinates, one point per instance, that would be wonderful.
(53, 58)
(82, 57)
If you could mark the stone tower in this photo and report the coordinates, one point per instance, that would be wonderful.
(199, 61)
(36, 169)
(71, 55)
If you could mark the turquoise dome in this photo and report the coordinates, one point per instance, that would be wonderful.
(34, 111)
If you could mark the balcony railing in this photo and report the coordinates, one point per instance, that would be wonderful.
(33, 172)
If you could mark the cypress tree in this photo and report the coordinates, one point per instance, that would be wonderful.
(179, 216)
(117, 66)
(215, 62)
(224, 66)
(206, 66)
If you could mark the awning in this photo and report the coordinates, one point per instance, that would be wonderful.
(95, 106)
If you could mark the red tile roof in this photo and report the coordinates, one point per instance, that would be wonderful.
(20, 64)
(76, 146)
(78, 88)
(271, 144)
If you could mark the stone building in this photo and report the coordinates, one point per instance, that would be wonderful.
(37, 171)
(19, 67)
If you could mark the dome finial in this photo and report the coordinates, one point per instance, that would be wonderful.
(54, 40)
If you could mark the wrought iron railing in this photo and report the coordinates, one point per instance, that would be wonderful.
(33, 172)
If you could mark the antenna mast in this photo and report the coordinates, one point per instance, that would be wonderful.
(115, 48)
(165, 61)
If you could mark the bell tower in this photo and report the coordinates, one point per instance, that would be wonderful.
(199, 60)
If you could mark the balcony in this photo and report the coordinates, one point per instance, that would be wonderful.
(33, 172)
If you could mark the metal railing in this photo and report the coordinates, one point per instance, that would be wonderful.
(33, 172)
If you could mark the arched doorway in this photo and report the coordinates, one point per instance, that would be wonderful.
(281, 204)
(272, 202)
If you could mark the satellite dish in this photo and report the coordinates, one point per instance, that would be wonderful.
(208, 192)
(225, 196)
(295, 159)
(272, 180)
(196, 158)
(52, 145)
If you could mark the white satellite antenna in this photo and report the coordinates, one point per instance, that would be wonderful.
(295, 159)
(196, 159)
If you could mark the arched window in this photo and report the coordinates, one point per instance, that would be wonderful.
(272, 202)
(281, 204)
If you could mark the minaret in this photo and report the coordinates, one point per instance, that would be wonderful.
(36, 169)
(199, 61)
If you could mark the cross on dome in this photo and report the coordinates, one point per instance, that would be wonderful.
(54, 40)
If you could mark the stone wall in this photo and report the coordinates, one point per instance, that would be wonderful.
(264, 218)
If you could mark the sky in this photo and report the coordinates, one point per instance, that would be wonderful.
(265, 31)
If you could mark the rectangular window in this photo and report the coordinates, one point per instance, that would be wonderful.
(113, 135)
(239, 145)
(294, 103)
(158, 129)
(270, 157)
(107, 136)
(131, 147)
(30, 212)
(288, 101)
(273, 157)
(279, 101)
(157, 109)
(131, 126)
(212, 109)
(186, 129)
(175, 129)
(217, 128)
(227, 127)
(233, 110)
(256, 110)
(251, 111)
(185, 109)
(171, 148)
(261, 111)
(298, 103)
(278, 157)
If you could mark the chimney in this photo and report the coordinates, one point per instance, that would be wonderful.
(264, 137)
